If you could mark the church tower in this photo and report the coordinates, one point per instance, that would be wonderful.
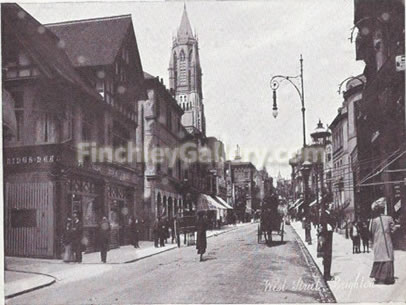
(185, 76)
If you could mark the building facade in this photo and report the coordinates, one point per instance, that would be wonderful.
(381, 113)
(49, 169)
(162, 131)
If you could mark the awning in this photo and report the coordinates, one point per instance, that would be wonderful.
(398, 205)
(203, 204)
(226, 205)
(215, 203)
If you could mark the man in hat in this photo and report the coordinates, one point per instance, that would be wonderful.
(327, 248)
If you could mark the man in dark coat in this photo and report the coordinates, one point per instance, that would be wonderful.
(161, 232)
(201, 227)
(104, 237)
(176, 228)
(155, 232)
(77, 235)
(327, 232)
(134, 231)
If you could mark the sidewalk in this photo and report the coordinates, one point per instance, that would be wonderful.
(351, 272)
(26, 274)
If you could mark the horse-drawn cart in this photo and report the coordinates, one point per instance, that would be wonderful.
(271, 222)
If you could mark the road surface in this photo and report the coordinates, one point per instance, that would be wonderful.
(236, 270)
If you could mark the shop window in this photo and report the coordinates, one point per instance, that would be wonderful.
(23, 218)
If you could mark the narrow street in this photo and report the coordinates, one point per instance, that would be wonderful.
(236, 270)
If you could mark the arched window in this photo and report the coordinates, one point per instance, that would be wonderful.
(164, 211)
(190, 55)
(182, 55)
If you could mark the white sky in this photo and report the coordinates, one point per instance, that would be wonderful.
(243, 43)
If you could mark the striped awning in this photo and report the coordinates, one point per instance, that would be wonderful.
(226, 205)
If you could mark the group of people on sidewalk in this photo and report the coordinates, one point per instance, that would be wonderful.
(379, 231)
(75, 244)
(359, 231)
(164, 228)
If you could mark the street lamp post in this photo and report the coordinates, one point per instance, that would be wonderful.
(274, 83)
(306, 167)
(300, 90)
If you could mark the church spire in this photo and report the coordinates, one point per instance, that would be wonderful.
(185, 29)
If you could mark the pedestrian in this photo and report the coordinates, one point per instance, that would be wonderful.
(77, 236)
(167, 229)
(327, 247)
(161, 232)
(104, 238)
(364, 232)
(176, 228)
(155, 232)
(201, 227)
(67, 242)
(134, 231)
(308, 229)
(355, 237)
(381, 227)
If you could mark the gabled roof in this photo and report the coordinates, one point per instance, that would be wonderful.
(185, 29)
(92, 42)
(148, 76)
(42, 46)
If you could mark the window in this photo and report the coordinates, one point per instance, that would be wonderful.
(19, 65)
(46, 127)
(86, 127)
(121, 135)
(23, 218)
(18, 97)
(182, 55)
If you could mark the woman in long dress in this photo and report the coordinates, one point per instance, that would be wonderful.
(67, 242)
(201, 241)
(381, 227)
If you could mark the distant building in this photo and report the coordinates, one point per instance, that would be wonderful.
(185, 76)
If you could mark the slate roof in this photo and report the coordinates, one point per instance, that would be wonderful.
(42, 46)
(92, 42)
